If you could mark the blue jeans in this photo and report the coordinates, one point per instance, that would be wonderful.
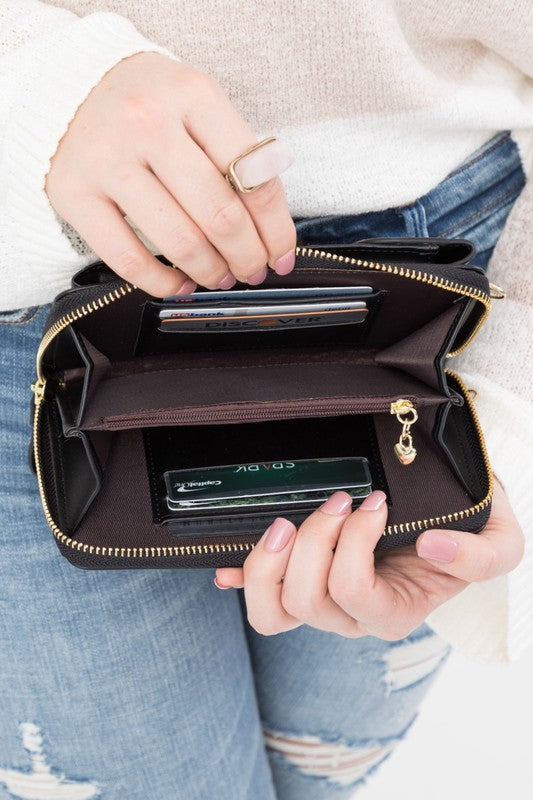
(151, 684)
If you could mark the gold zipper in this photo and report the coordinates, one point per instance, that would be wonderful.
(417, 275)
(39, 389)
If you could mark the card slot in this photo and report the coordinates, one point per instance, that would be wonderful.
(169, 448)
(151, 340)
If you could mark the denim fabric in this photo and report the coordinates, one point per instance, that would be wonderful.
(137, 685)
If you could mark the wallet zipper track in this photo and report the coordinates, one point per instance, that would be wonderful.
(39, 390)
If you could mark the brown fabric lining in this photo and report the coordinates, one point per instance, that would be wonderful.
(142, 392)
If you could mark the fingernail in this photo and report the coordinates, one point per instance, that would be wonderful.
(374, 501)
(286, 263)
(437, 546)
(219, 586)
(227, 282)
(338, 503)
(257, 277)
(278, 535)
(187, 288)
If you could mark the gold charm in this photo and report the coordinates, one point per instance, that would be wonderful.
(406, 415)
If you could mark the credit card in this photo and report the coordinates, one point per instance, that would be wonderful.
(247, 319)
(249, 311)
(269, 478)
(290, 498)
(261, 296)
(245, 323)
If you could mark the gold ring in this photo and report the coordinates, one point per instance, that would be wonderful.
(231, 175)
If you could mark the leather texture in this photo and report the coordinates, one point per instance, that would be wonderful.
(120, 408)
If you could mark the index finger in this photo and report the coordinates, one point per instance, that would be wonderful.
(267, 205)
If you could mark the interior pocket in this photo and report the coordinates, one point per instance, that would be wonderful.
(151, 340)
(171, 448)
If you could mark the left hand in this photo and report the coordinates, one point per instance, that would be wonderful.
(327, 575)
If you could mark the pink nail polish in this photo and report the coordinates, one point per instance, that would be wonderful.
(278, 535)
(338, 503)
(227, 282)
(286, 263)
(219, 585)
(437, 546)
(374, 501)
(187, 288)
(257, 277)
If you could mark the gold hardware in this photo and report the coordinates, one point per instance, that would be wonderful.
(407, 415)
(147, 552)
(231, 175)
(38, 388)
(496, 292)
(413, 274)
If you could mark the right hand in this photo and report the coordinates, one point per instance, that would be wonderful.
(152, 142)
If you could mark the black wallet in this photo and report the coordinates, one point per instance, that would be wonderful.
(117, 403)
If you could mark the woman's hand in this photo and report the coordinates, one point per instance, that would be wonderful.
(152, 141)
(327, 574)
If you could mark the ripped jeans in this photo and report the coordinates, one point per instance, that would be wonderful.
(151, 685)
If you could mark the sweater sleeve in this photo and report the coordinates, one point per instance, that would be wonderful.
(493, 620)
(50, 59)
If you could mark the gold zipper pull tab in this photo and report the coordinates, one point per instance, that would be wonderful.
(407, 415)
(38, 388)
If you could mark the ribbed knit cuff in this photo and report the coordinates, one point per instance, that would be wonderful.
(54, 75)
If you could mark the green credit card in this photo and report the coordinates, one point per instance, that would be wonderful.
(189, 487)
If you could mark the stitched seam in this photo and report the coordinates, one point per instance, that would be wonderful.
(30, 314)
(246, 366)
(499, 201)
(261, 404)
(487, 152)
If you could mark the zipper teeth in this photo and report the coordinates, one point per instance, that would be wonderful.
(455, 516)
(205, 549)
(78, 313)
(119, 552)
(414, 274)
(280, 412)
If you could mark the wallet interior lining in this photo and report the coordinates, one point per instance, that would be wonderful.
(426, 479)
(154, 394)
(412, 331)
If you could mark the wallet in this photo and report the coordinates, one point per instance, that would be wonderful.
(117, 403)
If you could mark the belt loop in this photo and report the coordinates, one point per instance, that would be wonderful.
(415, 219)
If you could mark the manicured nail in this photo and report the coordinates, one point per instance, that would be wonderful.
(374, 501)
(187, 288)
(437, 546)
(338, 503)
(286, 263)
(228, 281)
(278, 534)
(257, 277)
(219, 585)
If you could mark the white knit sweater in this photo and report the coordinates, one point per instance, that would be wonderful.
(378, 101)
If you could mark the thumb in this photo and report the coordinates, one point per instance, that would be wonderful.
(495, 551)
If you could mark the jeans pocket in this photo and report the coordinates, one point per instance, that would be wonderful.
(474, 201)
(19, 316)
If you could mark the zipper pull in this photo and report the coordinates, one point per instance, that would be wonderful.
(38, 388)
(407, 415)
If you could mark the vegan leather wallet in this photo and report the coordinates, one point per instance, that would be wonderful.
(117, 403)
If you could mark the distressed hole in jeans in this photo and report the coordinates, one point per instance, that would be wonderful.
(411, 660)
(338, 762)
(38, 782)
